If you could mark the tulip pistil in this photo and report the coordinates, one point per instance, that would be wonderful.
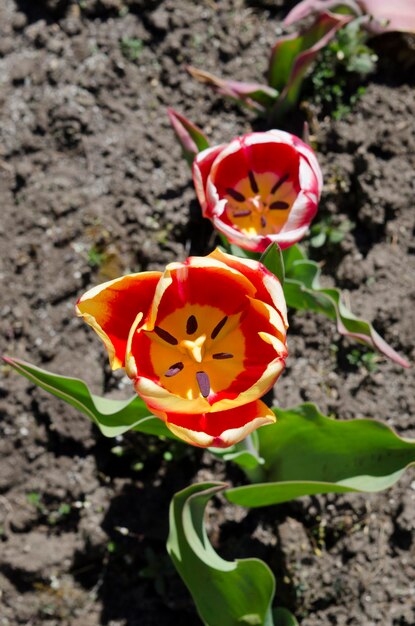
(194, 349)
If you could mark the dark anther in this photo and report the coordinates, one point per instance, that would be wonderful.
(222, 355)
(204, 383)
(263, 221)
(239, 197)
(191, 325)
(253, 182)
(242, 213)
(163, 334)
(174, 369)
(215, 332)
(280, 182)
(279, 205)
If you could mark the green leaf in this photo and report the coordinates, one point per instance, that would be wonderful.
(226, 593)
(293, 54)
(291, 255)
(245, 453)
(113, 417)
(283, 617)
(273, 260)
(319, 240)
(307, 453)
(302, 290)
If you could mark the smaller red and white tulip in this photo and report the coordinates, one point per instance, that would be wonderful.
(202, 342)
(259, 189)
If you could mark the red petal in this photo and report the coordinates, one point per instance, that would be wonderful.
(214, 424)
(204, 281)
(112, 307)
(202, 165)
(258, 353)
(268, 287)
(269, 156)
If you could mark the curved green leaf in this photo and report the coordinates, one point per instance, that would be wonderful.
(293, 54)
(245, 453)
(113, 417)
(273, 260)
(283, 617)
(307, 453)
(302, 290)
(225, 593)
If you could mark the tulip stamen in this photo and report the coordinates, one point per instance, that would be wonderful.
(280, 182)
(166, 336)
(242, 213)
(215, 332)
(236, 195)
(263, 221)
(191, 325)
(252, 182)
(279, 204)
(204, 383)
(174, 369)
(222, 355)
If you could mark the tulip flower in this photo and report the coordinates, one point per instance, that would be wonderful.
(259, 189)
(202, 342)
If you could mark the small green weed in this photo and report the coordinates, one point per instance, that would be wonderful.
(131, 48)
(95, 257)
(59, 514)
(53, 516)
(111, 547)
(35, 499)
(326, 232)
(158, 569)
(341, 64)
(363, 359)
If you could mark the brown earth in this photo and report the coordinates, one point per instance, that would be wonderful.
(92, 186)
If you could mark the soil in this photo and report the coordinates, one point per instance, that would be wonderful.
(92, 186)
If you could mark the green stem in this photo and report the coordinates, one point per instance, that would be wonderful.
(255, 474)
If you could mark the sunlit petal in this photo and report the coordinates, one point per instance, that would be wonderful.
(112, 307)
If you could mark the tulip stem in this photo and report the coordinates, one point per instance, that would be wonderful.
(255, 474)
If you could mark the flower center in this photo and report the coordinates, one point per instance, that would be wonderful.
(194, 349)
(198, 354)
(260, 203)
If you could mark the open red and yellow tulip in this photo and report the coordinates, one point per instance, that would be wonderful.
(202, 342)
(259, 189)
